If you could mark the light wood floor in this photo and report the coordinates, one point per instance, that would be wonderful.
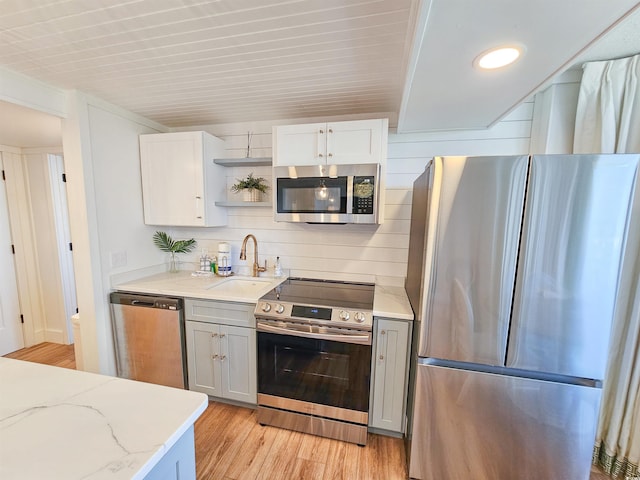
(230, 444)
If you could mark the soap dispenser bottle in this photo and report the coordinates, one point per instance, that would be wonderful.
(278, 268)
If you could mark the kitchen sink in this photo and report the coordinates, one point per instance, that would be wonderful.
(241, 286)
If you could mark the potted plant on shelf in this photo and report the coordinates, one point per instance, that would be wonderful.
(251, 187)
(167, 244)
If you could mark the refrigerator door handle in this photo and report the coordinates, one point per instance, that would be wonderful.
(512, 372)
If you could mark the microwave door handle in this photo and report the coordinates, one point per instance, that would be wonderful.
(345, 338)
(349, 194)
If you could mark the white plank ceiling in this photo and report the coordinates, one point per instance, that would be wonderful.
(196, 62)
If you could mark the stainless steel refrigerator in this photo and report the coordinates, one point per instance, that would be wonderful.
(513, 273)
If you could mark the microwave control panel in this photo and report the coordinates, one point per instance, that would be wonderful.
(363, 195)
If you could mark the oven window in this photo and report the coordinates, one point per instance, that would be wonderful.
(312, 195)
(317, 371)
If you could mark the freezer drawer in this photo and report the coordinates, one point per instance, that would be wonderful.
(487, 426)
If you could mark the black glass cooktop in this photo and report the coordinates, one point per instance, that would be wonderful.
(323, 293)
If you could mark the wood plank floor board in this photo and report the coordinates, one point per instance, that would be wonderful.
(255, 451)
(278, 463)
(48, 353)
(231, 445)
(342, 461)
(226, 439)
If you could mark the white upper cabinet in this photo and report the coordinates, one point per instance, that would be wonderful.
(180, 181)
(335, 143)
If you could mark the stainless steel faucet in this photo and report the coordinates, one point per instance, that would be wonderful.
(243, 255)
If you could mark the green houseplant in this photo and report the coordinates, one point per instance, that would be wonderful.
(252, 187)
(167, 244)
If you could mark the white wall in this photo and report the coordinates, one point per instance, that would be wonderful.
(554, 115)
(348, 252)
(105, 206)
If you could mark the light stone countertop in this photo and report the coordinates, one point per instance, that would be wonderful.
(184, 284)
(57, 423)
(389, 301)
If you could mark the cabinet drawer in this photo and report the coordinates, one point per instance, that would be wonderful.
(226, 313)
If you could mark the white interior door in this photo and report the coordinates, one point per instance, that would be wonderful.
(63, 236)
(11, 338)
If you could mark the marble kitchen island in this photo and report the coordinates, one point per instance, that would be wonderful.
(58, 423)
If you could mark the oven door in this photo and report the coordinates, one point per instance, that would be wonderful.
(314, 370)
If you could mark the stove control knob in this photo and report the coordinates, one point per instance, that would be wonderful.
(279, 308)
(344, 315)
(266, 307)
(359, 317)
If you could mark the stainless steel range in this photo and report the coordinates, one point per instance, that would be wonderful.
(314, 357)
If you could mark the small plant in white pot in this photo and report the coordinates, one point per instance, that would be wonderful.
(251, 187)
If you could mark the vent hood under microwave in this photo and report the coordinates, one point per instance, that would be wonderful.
(327, 193)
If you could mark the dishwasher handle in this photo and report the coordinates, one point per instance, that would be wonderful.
(148, 301)
(142, 303)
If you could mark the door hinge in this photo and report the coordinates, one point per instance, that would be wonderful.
(13, 249)
(3, 177)
(21, 318)
(70, 247)
(77, 311)
(64, 177)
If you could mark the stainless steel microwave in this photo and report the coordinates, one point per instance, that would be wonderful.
(327, 193)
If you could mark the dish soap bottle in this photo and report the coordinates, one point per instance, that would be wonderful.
(278, 269)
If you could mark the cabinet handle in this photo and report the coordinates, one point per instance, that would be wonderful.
(382, 332)
(320, 155)
(222, 335)
(214, 335)
(213, 357)
(198, 198)
(321, 131)
(330, 155)
(330, 130)
(381, 357)
(223, 357)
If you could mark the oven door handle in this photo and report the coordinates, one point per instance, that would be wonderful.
(364, 339)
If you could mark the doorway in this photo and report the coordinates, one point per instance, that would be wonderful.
(35, 204)
(11, 336)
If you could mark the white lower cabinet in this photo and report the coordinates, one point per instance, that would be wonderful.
(389, 363)
(221, 359)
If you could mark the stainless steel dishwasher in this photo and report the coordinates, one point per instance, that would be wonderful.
(148, 333)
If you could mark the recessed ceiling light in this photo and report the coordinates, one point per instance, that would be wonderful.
(498, 57)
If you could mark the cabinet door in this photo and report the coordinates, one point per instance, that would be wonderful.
(389, 375)
(238, 360)
(203, 358)
(358, 141)
(172, 179)
(300, 144)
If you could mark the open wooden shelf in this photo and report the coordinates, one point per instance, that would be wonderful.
(244, 204)
(243, 162)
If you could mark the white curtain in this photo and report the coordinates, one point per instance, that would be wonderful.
(608, 121)
(608, 114)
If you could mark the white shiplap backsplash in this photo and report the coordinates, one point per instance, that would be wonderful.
(364, 253)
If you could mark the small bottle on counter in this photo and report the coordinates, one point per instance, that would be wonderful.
(278, 268)
(214, 265)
